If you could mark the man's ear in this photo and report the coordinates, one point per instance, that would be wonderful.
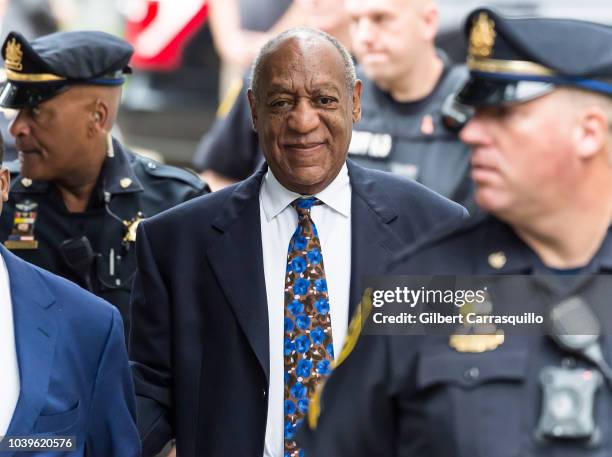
(99, 116)
(357, 101)
(5, 183)
(253, 106)
(591, 131)
(429, 16)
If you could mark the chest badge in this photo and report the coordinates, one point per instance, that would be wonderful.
(22, 234)
(476, 337)
(131, 226)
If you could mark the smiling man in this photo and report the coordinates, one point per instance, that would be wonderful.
(542, 165)
(228, 348)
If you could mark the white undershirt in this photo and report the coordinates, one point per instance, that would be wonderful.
(9, 380)
(278, 222)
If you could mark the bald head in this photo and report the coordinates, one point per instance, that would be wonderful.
(307, 38)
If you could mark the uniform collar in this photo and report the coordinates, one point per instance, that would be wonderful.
(117, 176)
(505, 253)
(275, 197)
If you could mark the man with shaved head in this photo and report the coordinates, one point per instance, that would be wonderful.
(77, 194)
(228, 349)
(406, 83)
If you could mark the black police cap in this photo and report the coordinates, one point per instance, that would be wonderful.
(37, 71)
(518, 59)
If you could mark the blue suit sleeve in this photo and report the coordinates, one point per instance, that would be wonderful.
(112, 419)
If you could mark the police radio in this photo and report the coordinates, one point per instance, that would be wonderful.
(569, 393)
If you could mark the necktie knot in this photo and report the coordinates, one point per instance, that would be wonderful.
(303, 204)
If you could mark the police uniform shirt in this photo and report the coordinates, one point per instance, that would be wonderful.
(35, 222)
(408, 139)
(231, 147)
(416, 396)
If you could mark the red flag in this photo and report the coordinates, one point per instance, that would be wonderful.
(160, 29)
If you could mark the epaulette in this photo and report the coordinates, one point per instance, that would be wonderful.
(446, 231)
(160, 170)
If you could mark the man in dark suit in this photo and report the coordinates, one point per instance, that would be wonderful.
(65, 371)
(241, 298)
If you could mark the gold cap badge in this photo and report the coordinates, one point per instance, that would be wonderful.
(125, 183)
(482, 36)
(13, 55)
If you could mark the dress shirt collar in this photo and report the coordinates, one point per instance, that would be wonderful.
(275, 197)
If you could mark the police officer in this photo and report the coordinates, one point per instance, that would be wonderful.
(77, 194)
(541, 163)
(406, 82)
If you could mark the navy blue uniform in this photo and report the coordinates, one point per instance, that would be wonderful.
(415, 396)
(129, 188)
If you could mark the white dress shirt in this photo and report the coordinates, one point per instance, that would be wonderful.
(278, 222)
(9, 380)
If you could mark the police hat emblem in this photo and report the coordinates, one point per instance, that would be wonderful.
(13, 55)
(40, 69)
(482, 36)
(517, 59)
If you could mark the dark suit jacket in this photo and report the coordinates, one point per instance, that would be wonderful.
(73, 368)
(199, 339)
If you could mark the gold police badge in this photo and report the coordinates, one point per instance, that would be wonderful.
(477, 338)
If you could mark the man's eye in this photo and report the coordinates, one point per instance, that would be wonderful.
(35, 111)
(279, 104)
(326, 100)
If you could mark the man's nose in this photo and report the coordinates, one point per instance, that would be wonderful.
(304, 118)
(362, 31)
(475, 131)
(20, 125)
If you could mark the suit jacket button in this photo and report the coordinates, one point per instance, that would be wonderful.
(264, 394)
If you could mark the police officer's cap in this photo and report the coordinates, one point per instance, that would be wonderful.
(37, 71)
(519, 59)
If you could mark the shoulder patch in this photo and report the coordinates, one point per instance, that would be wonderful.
(163, 171)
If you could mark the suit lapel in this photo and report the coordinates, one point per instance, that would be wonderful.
(35, 337)
(373, 241)
(237, 260)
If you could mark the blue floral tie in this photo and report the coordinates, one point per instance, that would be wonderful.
(308, 349)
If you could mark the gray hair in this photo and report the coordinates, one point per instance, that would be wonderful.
(303, 33)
